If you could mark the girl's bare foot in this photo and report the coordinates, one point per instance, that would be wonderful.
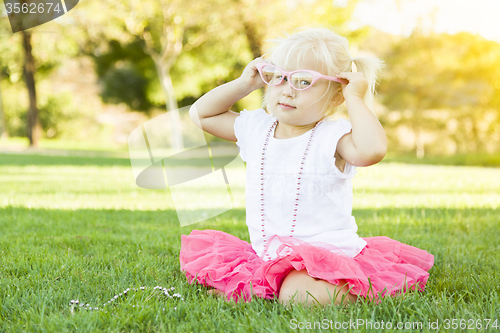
(215, 292)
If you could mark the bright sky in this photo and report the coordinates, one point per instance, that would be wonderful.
(451, 16)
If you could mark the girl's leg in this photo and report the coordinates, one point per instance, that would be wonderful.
(299, 287)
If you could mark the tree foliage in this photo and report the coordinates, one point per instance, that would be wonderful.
(437, 80)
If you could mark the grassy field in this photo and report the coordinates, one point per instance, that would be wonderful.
(78, 228)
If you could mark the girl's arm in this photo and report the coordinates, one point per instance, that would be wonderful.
(367, 143)
(211, 112)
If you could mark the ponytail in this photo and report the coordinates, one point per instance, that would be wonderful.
(370, 67)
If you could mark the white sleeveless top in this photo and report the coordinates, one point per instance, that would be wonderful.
(325, 199)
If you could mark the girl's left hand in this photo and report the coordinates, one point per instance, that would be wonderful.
(357, 85)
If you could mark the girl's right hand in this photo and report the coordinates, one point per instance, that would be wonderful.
(251, 77)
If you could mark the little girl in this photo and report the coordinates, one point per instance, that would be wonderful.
(304, 246)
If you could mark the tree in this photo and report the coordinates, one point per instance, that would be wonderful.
(3, 127)
(452, 74)
(33, 61)
(167, 28)
(33, 125)
(171, 30)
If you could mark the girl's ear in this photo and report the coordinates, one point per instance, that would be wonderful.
(337, 99)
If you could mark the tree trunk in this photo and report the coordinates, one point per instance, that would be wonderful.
(254, 40)
(478, 145)
(3, 123)
(169, 92)
(33, 125)
(419, 144)
(417, 130)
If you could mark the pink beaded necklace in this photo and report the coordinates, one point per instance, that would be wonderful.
(298, 183)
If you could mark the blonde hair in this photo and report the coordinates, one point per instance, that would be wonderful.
(331, 51)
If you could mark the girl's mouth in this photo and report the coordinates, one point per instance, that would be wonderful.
(286, 106)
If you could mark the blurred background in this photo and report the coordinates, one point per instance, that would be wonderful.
(85, 80)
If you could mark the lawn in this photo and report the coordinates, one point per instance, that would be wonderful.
(78, 228)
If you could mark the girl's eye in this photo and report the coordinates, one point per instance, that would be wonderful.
(305, 83)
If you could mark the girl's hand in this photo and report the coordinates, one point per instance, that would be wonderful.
(357, 85)
(250, 77)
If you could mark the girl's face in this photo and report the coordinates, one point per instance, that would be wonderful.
(298, 108)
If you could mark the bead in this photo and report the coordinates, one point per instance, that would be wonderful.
(298, 181)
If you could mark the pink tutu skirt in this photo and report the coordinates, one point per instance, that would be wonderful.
(225, 262)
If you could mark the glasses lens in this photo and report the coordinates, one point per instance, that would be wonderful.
(271, 75)
(301, 80)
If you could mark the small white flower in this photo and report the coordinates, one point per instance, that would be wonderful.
(77, 301)
(82, 304)
(116, 296)
(72, 301)
(133, 306)
(172, 288)
(175, 308)
(88, 304)
(163, 309)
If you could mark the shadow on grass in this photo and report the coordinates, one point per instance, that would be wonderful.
(36, 159)
(57, 160)
(482, 160)
(106, 159)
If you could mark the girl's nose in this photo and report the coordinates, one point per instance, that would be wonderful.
(287, 88)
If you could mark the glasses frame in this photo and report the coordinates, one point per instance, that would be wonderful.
(316, 76)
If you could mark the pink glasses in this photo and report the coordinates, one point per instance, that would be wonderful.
(299, 80)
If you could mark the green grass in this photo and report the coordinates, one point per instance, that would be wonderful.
(75, 227)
